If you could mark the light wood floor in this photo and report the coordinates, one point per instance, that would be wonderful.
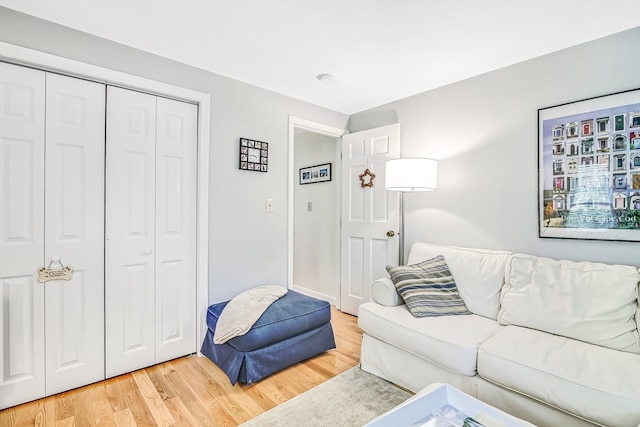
(190, 391)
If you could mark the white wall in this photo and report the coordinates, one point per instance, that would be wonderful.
(316, 262)
(483, 132)
(248, 246)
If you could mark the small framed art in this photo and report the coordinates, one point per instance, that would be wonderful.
(314, 174)
(254, 155)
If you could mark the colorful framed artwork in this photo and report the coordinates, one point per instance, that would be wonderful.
(589, 168)
(314, 174)
(254, 155)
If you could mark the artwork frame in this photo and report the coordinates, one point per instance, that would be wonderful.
(253, 155)
(589, 168)
(315, 174)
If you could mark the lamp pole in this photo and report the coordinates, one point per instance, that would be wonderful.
(401, 233)
(406, 176)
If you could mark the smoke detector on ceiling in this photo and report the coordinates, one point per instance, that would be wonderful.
(326, 78)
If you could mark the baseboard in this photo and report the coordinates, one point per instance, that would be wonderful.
(311, 293)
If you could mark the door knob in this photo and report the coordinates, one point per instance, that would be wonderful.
(391, 233)
(147, 251)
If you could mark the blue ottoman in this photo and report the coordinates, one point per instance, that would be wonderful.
(292, 329)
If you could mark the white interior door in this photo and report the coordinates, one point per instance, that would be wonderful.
(367, 214)
(22, 112)
(74, 232)
(130, 231)
(176, 156)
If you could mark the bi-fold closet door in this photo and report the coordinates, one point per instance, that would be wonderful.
(150, 230)
(51, 212)
(141, 308)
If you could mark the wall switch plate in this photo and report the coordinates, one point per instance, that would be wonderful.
(268, 206)
(309, 206)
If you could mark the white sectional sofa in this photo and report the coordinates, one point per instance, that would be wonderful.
(553, 342)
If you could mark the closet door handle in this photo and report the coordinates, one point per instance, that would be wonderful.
(147, 251)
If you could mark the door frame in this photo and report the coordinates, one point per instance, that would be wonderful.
(321, 129)
(48, 62)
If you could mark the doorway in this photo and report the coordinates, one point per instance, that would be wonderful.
(314, 212)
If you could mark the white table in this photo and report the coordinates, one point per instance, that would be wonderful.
(416, 410)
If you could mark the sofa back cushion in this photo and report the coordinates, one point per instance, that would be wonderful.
(591, 302)
(478, 273)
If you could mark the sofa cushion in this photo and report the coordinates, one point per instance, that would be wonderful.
(479, 273)
(384, 292)
(589, 381)
(428, 288)
(448, 341)
(587, 301)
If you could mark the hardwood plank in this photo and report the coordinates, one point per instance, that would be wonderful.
(329, 366)
(299, 378)
(113, 390)
(135, 402)
(198, 409)
(307, 376)
(82, 410)
(25, 414)
(235, 401)
(64, 406)
(181, 413)
(189, 391)
(256, 392)
(66, 422)
(204, 391)
(101, 406)
(211, 393)
(7, 418)
(152, 399)
(157, 378)
(241, 407)
(124, 418)
(45, 412)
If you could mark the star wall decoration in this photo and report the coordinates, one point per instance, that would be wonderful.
(366, 178)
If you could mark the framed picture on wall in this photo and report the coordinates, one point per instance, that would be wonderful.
(254, 155)
(315, 174)
(589, 168)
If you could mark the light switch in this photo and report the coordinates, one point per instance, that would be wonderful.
(309, 206)
(268, 206)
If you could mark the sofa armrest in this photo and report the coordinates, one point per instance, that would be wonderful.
(384, 292)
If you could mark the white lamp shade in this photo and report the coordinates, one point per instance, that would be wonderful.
(411, 175)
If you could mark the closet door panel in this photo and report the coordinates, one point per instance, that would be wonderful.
(22, 97)
(176, 153)
(74, 230)
(130, 230)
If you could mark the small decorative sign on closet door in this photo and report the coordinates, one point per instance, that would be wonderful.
(46, 274)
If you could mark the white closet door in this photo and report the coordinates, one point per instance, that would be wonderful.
(176, 151)
(130, 229)
(22, 101)
(74, 232)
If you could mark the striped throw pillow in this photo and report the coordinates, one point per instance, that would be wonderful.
(428, 288)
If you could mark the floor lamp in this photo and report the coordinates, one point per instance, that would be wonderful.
(406, 176)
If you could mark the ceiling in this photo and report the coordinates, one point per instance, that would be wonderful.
(379, 51)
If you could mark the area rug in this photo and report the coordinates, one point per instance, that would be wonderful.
(352, 398)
